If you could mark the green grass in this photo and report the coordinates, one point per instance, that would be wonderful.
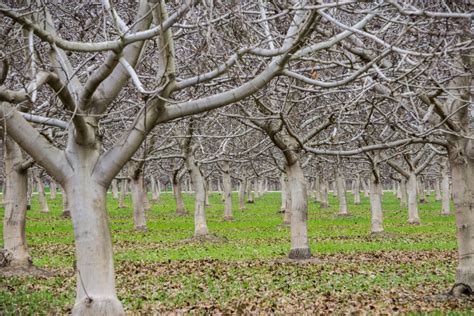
(157, 272)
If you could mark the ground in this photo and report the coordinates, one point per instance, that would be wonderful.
(405, 270)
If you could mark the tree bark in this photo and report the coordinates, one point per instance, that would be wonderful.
(155, 190)
(138, 203)
(403, 193)
(324, 194)
(437, 189)
(317, 189)
(413, 216)
(197, 181)
(299, 213)
(66, 211)
(446, 195)
(227, 186)
(53, 189)
(14, 240)
(41, 195)
(357, 190)
(243, 185)
(249, 192)
(146, 201)
(178, 196)
(421, 189)
(123, 193)
(284, 192)
(115, 193)
(376, 202)
(341, 192)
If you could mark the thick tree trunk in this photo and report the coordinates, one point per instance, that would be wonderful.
(138, 203)
(178, 197)
(357, 190)
(96, 294)
(376, 204)
(324, 194)
(115, 192)
(66, 210)
(31, 184)
(41, 195)
(53, 189)
(14, 240)
(437, 189)
(243, 186)
(462, 171)
(299, 213)
(341, 192)
(197, 180)
(446, 196)
(207, 189)
(413, 216)
(123, 193)
(226, 183)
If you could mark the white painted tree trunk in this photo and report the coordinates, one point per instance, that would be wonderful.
(155, 191)
(376, 204)
(357, 190)
(53, 189)
(123, 193)
(324, 194)
(197, 181)
(138, 203)
(207, 189)
(437, 189)
(146, 201)
(446, 195)
(115, 192)
(341, 192)
(288, 204)
(299, 213)
(227, 186)
(14, 220)
(334, 188)
(413, 216)
(31, 184)
(41, 195)
(399, 191)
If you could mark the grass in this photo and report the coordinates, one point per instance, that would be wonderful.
(157, 272)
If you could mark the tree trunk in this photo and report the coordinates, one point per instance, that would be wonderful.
(284, 192)
(226, 183)
(403, 193)
(178, 197)
(123, 193)
(41, 195)
(413, 217)
(341, 192)
(422, 191)
(138, 203)
(146, 201)
(14, 240)
(249, 192)
(334, 188)
(66, 211)
(197, 180)
(155, 190)
(324, 194)
(462, 172)
(357, 190)
(437, 190)
(299, 213)
(243, 186)
(207, 189)
(115, 193)
(446, 196)
(31, 184)
(53, 189)
(317, 189)
(96, 294)
(376, 203)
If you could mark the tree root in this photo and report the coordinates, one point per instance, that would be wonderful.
(299, 254)
(460, 289)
